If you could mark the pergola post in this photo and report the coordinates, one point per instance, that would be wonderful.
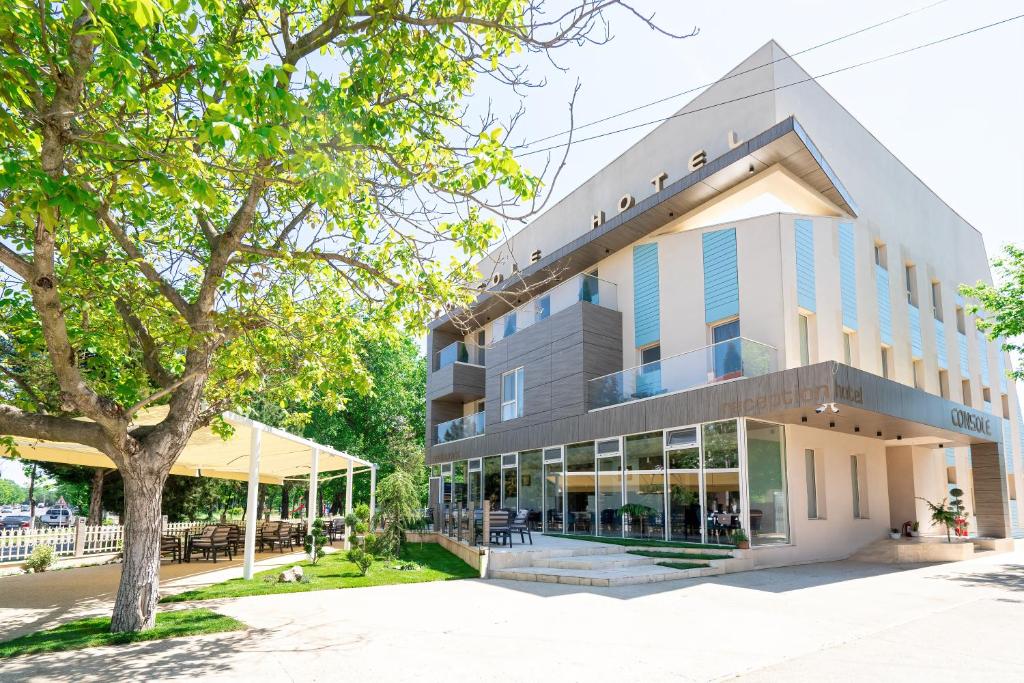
(314, 475)
(348, 500)
(373, 491)
(253, 501)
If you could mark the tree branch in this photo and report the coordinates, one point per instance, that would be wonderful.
(15, 262)
(17, 422)
(150, 352)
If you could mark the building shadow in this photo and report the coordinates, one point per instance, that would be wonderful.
(1003, 576)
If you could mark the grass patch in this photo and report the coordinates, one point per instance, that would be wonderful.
(677, 556)
(648, 542)
(681, 565)
(334, 571)
(95, 632)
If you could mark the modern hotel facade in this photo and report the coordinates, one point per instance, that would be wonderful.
(749, 319)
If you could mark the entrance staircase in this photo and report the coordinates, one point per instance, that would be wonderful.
(612, 565)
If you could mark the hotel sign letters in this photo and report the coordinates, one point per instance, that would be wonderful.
(695, 161)
(971, 422)
(788, 398)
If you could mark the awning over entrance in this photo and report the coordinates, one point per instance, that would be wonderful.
(256, 452)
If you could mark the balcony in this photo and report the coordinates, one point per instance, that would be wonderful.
(587, 288)
(461, 428)
(458, 352)
(726, 360)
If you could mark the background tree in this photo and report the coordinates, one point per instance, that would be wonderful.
(204, 201)
(1003, 305)
(11, 493)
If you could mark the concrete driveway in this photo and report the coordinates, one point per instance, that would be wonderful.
(841, 621)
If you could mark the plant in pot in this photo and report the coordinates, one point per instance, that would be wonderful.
(894, 534)
(635, 513)
(942, 515)
(740, 538)
(915, 529)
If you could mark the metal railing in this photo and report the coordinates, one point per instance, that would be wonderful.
(589, 288)
(461, 428)
(730, 359)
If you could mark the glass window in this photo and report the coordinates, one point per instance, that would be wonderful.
(885, 362)
(492, 481)
(721, 445)
(580, 498)
(553, 490)
(459, 484)
(848, 348)
(937, 300)
(643, 515)
(680, 438)
(512, 394)
(727, 353)
(530, 486)
(609, 495)
(684, 505)
(473, 492)
(510, 324)
(858, 484)
(766, 484)
(648, 383)
(811, 473)
(650, 354)
(543, 307)
(510, 488)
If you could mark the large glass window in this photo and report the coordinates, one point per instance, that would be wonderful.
(643, 514)
(459, 484)
(473, 491)
(766, 484)
(553, 492)
(683, 455)
(728, 359)
(512, 394)
(530, 487)
(492, 481)
(510, 488)
(580, 498)
(609, 495)
(720, 441)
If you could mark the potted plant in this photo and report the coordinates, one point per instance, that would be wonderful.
(894, 534)
(635, 513)
(740, 538)
(915, 529)
(942, 515)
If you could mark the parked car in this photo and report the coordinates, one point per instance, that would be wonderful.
(58, 517)
(16, 522)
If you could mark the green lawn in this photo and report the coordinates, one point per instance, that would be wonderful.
(334, 571)
(674, 556)
(648, 542)
(94, 632)
(681, 565)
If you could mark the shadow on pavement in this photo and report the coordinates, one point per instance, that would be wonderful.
(1005, 576)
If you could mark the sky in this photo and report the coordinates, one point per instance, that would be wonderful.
(952, 113)
(946, 111)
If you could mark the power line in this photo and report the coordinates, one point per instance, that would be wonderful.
(736, 75)
(781, 87)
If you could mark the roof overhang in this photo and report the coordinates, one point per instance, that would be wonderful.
(282, 455)
(785, 144)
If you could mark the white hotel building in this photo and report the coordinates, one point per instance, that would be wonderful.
(749, 319)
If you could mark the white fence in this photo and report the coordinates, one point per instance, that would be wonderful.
(78, 540)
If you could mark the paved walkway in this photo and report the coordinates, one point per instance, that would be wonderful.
(840, 621)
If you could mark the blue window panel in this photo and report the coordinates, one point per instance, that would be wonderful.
(940, 345)
(721, 280)
(965, 365)
(983, 352)
(848, 275)
(884, 304)
(646, 296)
(804, 234)
(914, 316)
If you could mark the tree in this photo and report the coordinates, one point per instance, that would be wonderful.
(11, 493)
(942, 515)
(1004, 304)
(398, 493)
(197, 207)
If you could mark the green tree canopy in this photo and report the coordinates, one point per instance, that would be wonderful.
(11, 493)
(1003, 304)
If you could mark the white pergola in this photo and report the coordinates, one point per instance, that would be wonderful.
(256, 453)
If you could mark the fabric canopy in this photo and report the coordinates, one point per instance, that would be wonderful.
(282, 455)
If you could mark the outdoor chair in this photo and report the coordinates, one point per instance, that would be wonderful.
(500, 530)
(172, 545)
(521, 526)
(218, 540)
(234, 537)
(282, 537)
(265, 533)
(335, 530)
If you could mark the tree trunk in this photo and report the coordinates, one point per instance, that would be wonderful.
(32, 497)
(261, 500)
(96, 496)
(135, 607)
(284, 499)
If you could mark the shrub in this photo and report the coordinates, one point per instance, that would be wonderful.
(360, 558)
(41, 558)
(315, 541)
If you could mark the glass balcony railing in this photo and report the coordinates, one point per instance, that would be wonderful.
(458, 352)
(730, 359)
(461, 428)
(589, 288)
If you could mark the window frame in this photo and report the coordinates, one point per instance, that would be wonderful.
(518, 376)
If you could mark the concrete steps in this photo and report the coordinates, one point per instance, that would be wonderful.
(616, 566)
